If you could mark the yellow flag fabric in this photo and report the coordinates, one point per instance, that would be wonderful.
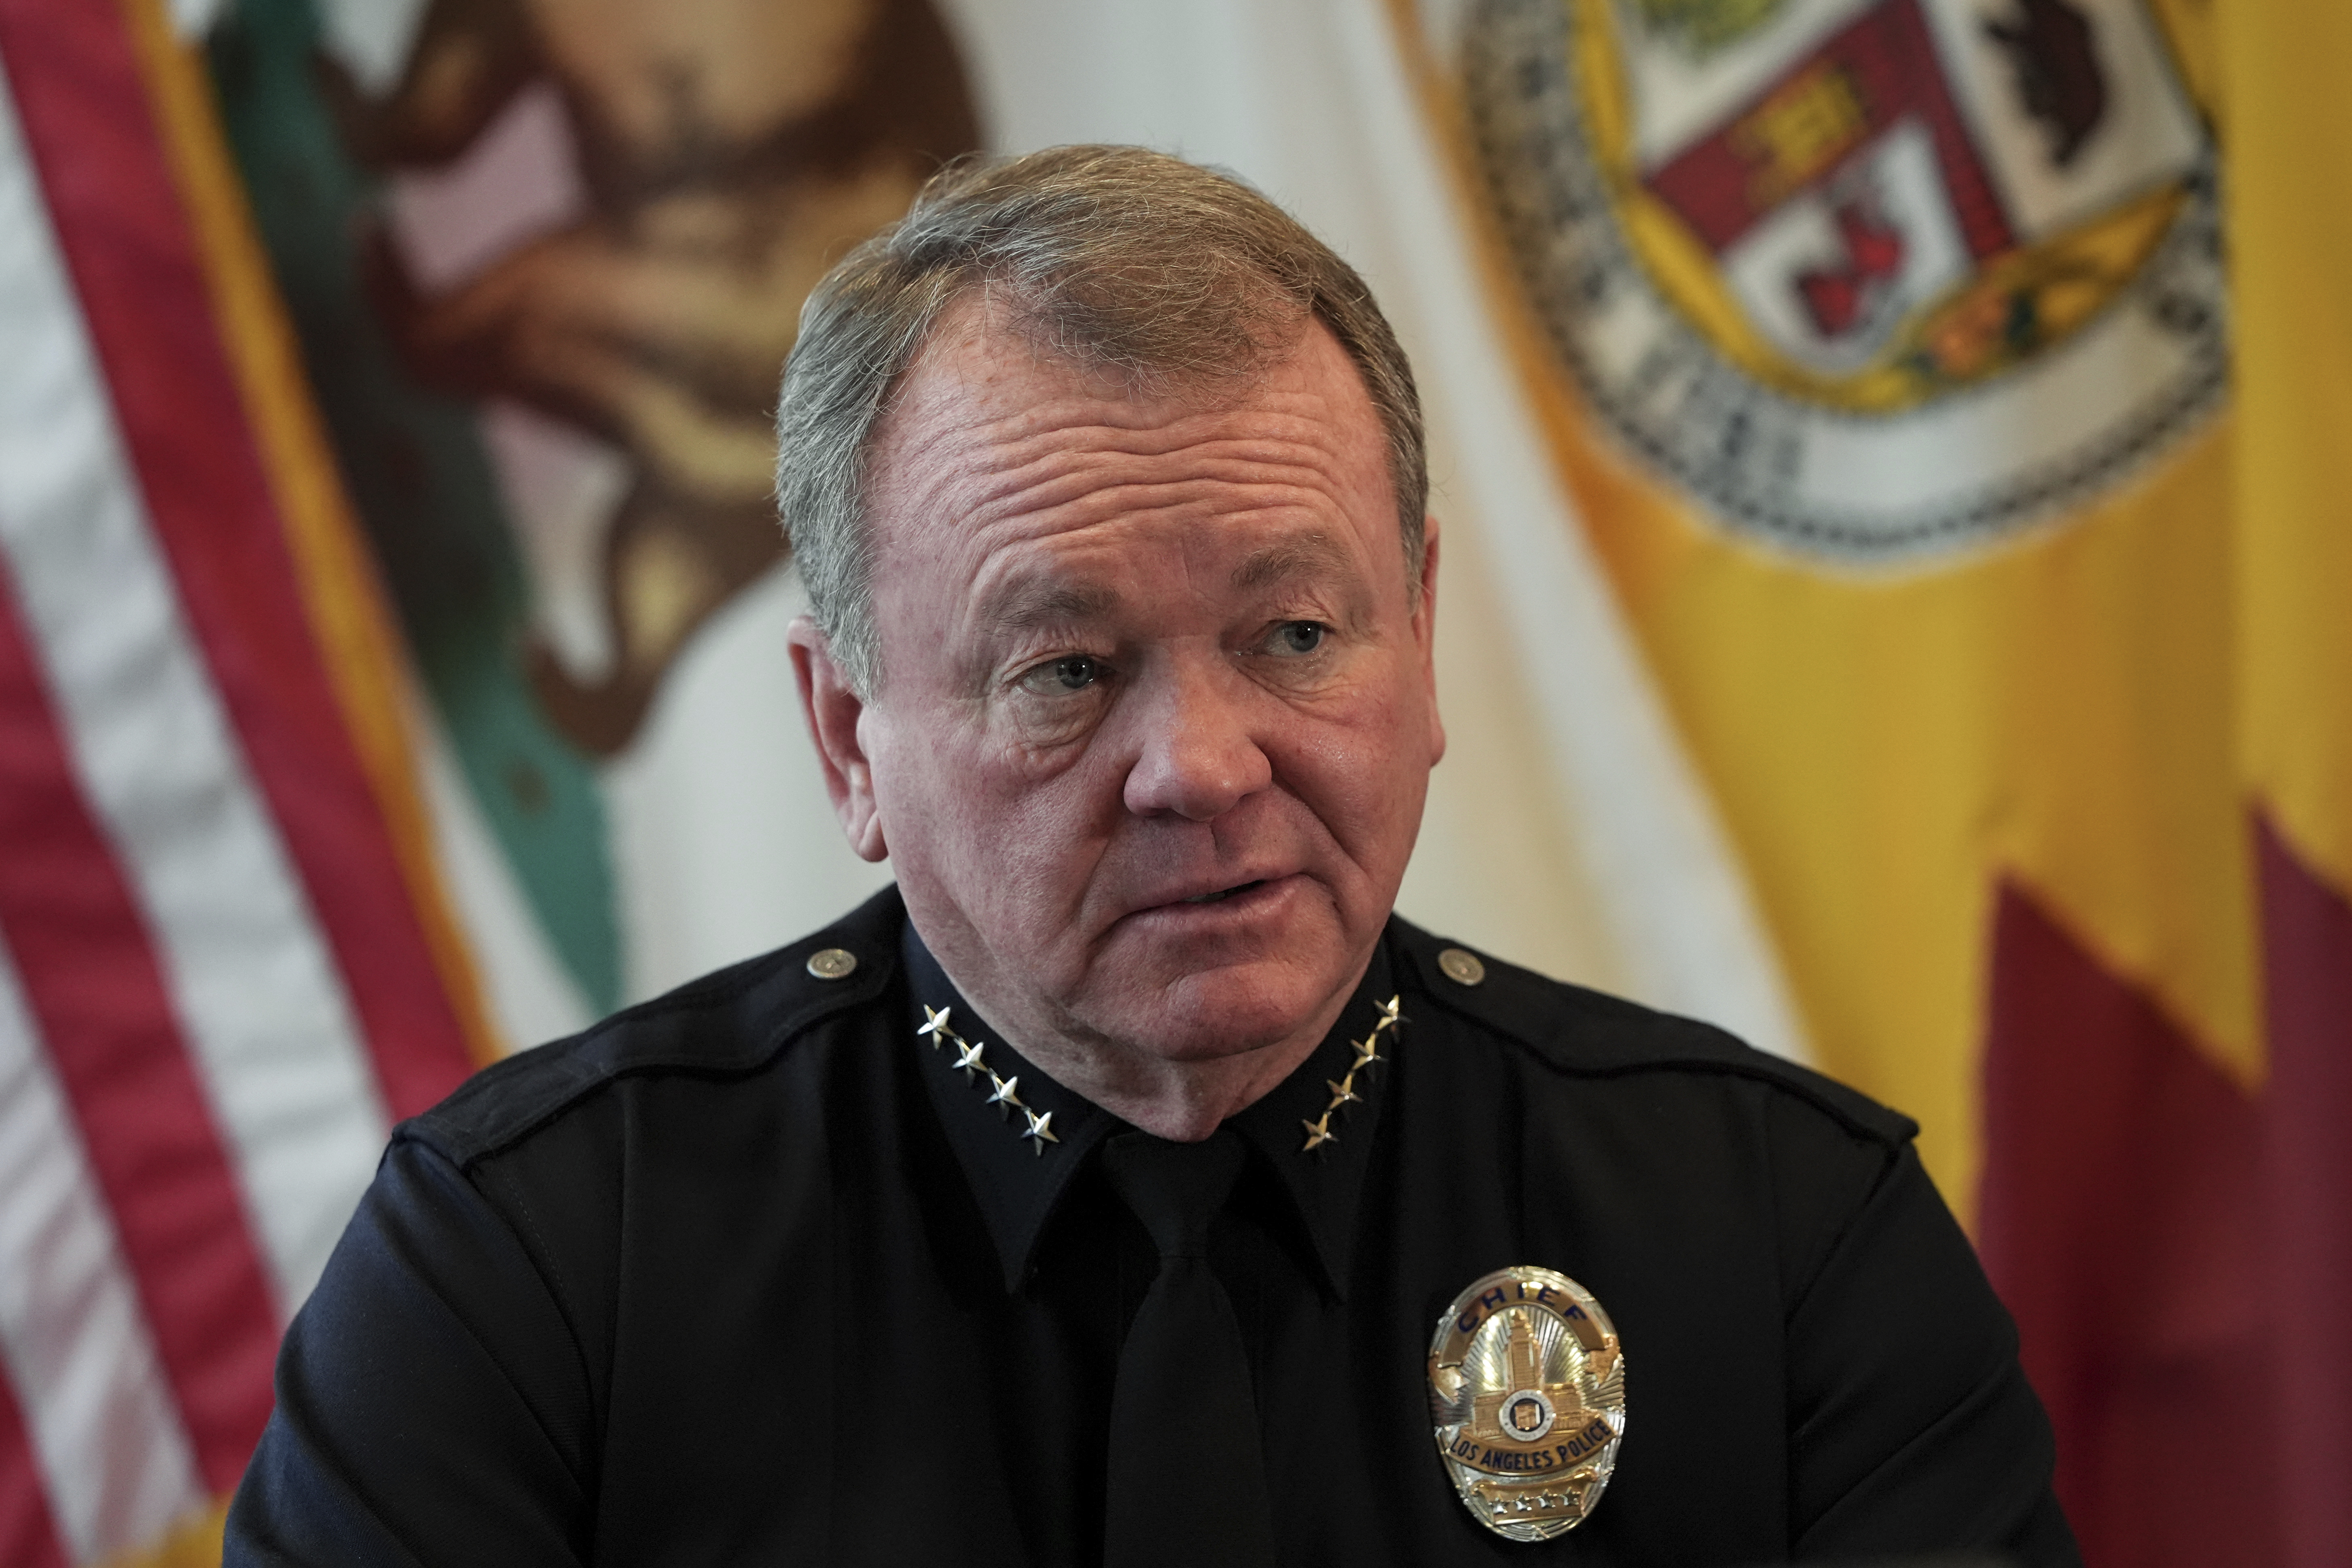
(2290, 193)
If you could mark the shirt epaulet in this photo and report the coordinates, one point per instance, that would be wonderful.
(1577, 1031)
(733, 1021)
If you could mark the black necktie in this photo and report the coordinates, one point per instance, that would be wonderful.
(1187, 1483)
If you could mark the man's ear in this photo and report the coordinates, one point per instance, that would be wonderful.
(832, 709)
(1425, 635)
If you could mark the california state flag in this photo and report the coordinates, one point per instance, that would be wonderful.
(1956, 391)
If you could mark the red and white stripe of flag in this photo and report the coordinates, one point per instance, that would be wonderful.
(214, 989)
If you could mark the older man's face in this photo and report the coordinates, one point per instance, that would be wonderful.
(1157, 712)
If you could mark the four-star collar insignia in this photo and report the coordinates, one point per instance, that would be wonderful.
(1320, 1131)
(1527, 1390)
(1004, 1093)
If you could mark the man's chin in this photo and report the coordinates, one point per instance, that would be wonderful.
(1229, 1010)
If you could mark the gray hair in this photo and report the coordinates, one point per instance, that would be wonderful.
(1112, 258)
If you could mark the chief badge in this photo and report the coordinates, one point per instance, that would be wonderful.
(1527, 1387)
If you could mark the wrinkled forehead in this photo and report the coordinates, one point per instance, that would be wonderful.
(987, 359)
(984, 389)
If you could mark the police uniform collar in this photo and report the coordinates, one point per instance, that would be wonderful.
(1018, 1189)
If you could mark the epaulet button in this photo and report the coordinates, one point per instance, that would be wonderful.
(1461, 966)
(832, 964)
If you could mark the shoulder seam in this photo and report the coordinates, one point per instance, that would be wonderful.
(533, 1248)
(466, 1138)
(1707, 1067)
(1755, 1072)
(1845, 1229)
(469, 1151)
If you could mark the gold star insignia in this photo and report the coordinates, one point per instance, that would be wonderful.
(968, 1059)
(1041, 1130)
(1003, 1097)
(1368, 1053)
(1343, 1092)
(1318, 1132)
(934, 1024)
(1390, 1018)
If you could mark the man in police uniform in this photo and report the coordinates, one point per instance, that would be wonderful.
(1129, 1184)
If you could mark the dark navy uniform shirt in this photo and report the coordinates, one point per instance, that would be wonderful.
(753, 1274)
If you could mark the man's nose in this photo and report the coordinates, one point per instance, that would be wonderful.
(1200, 755)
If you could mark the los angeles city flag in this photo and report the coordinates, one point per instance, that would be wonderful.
(1889, 348)
(223, 969)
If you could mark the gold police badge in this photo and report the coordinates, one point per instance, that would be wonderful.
(1527, 1387)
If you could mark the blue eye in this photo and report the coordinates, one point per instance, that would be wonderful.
(1074, 672)
(1299, 637)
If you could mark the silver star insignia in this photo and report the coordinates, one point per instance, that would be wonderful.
(968, 1059)
(1003, 1097)
(1318, 1132)
(934, 1024)
(1343, 1092)
(1041, 1130)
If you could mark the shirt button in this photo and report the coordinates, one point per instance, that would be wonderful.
(1460, 965)
(835, 964)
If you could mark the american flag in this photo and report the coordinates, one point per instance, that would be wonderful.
(224, 967)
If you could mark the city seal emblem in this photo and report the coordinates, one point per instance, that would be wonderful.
(1873, 282)
(1527, 1390)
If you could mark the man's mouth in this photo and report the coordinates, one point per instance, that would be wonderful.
(1222, 894)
